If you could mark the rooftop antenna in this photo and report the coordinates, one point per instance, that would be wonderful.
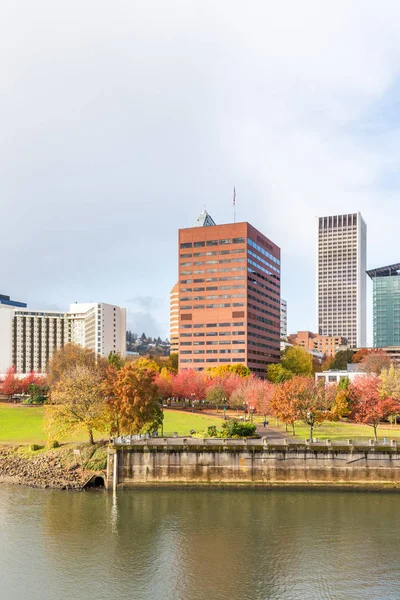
(234, 204)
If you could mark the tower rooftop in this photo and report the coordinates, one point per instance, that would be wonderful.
(204, 220)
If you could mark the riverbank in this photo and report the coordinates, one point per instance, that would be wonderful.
(68, 467)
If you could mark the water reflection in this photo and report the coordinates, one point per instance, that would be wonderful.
(180, 544)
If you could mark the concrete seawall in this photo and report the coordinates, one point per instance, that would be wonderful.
(253, 462)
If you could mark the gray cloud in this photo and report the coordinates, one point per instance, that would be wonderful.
(118, 125)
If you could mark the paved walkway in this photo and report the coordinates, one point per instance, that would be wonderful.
(272, 432)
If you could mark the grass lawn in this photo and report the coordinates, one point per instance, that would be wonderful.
(340, 431)
(24, 424)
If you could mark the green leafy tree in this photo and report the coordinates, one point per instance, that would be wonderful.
(277, 373)
(342, 358)
(216, 394)
(116, 360)
(172, 363)
(297, 360)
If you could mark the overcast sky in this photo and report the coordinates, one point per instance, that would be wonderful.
(120, 120)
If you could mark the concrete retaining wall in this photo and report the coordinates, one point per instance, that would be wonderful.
(237, 462)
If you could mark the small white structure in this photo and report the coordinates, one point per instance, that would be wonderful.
(335, 376)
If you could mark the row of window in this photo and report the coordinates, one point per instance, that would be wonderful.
(225, 296)
(212, 253)
(208, 280)
(262, 251)
(210, 360)
(212, 262)
(269, 282)
(239, 240)
(213, 343)
(221, 305)
(211, 325)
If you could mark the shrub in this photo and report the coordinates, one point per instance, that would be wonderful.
(54, 444)
(236, 429)
(35, 447)
(212, 431)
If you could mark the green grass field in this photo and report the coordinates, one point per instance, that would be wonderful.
(24, 424)
(342, 431)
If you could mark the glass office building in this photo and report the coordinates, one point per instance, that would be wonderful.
(386, 305)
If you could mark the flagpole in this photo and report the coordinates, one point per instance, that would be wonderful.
(234, 205)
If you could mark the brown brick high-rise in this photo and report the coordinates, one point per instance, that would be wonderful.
(229, 297)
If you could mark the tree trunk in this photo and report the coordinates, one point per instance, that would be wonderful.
(294, 433)
(286, 426)
(311, 431)
(91, 440)
(375, 434)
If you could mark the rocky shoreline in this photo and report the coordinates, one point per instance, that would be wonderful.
(56, 468)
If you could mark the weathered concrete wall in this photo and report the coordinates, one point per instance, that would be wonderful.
(224, 463)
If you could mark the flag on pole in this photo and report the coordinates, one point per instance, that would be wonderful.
(234, 196)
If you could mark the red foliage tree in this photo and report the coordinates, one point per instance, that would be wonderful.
(31, 379)
(10, 385)
(164, 383)
(190, 384)
(368, 404)
(375, 361)
(258, 395)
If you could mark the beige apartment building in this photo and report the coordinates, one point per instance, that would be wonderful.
(29, 338)
(326, 344)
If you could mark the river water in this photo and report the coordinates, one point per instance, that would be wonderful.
(200, 544)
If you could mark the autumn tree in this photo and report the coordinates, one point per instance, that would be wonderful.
(259, 394)
(163, 382)
(237, 399)
(190, 384)
(360, 355)
(138, 398)
(341, 403)
(312, 403)
(390, 386)
(374, 362)
(67, 358)
(370, 405)
(326, 365)
(282, 403)
(222, 370)
(77, 401)
(10, 384)
(390, 382)
(31, 378)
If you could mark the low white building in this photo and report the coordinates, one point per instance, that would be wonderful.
(29, 338)
(335, 376)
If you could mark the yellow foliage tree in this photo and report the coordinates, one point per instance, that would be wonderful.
(77, 402)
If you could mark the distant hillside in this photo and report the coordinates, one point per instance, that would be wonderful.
(146, 345)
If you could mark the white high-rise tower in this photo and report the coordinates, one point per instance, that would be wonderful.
(341, 277)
